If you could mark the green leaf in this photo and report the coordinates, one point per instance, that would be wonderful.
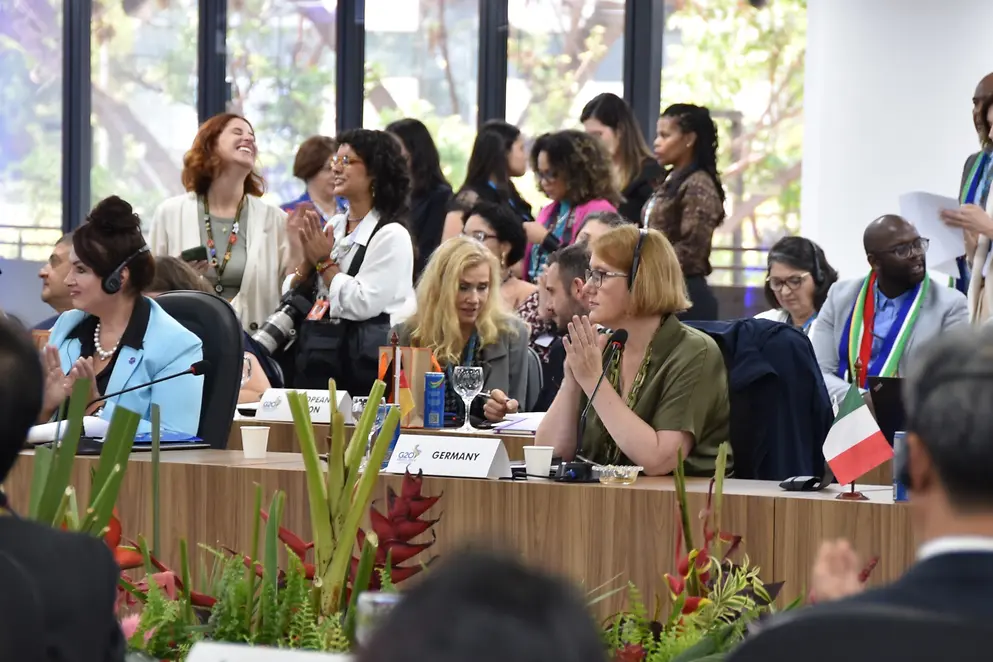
(320, 515)
(156, 449)
(65, 454)
(43, 456)
(254, 552)
(361, 582)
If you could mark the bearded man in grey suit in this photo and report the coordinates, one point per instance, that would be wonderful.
(881, 321)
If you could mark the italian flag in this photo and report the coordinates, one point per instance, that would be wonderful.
(854, 444)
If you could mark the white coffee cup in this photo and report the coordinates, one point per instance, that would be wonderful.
(538, 460)
(254, 439)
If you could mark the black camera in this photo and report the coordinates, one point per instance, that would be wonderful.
(279, 331)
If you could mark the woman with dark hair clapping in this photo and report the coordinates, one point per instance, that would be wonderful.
(689, 204)
(430, 192)
(115, 336)
(360, 269)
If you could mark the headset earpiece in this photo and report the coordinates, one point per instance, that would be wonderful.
(114, 281)
(642, 233)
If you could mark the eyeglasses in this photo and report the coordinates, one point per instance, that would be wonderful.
(792, 282)
(909, 249)
(480, 236)
(546, 175)
(344, 161)
(595, 276)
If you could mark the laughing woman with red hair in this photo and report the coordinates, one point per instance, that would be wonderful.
(243, 245)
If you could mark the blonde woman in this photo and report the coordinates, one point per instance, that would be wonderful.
(461, 318)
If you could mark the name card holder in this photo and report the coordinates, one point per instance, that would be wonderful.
(458, 457)
(275, 405)
(208, 651)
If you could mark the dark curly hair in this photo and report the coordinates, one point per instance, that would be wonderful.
(111, 236)
(387, 168)
(581, 161)
(696, 120)
(506, 225)
(425, 163)
(802, 253)
(201, 164)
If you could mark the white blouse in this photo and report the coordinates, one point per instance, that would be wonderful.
(384, 282)
(780, 315)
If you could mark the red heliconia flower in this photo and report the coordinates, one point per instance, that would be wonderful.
(397, 528)
(630, 653)
(693, 603)
(676, 584)
(127, 558)
(197, 599)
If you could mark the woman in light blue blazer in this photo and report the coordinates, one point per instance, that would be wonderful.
(116, 337)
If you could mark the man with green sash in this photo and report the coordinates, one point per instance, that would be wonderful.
(880, 321)
(973, 217)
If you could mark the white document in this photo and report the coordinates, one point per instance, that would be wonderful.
(526, 422)
(459, 457)
(208, 651)
(275, 406)
(46, 432)
(923, 211)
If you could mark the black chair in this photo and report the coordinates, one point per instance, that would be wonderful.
(864, 633)
(213, 320)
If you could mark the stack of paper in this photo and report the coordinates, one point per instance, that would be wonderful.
(526, 422)
(92, 427)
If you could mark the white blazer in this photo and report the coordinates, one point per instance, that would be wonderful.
(175, 227)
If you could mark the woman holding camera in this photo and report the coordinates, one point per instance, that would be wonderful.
(221, 226)
(115, 336)
(461, 318)
(359, 270)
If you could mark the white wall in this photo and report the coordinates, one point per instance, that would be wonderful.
(888, 103)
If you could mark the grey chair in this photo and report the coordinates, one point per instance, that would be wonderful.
(213, 321)
(536, 379)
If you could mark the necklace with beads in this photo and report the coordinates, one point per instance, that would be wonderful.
(103, 354)
(211, 246)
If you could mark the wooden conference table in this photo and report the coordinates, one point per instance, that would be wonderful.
(588, 532)
(282, 439)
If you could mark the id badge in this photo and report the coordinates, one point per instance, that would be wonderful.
(319, 310)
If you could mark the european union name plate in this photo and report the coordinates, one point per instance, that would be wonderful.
(275, 405)
(456, 456)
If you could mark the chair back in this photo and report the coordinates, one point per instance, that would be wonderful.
(780, 409)
(864, 633)
(214, 322)
(536, 379)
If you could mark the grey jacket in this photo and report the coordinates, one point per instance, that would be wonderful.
(504, 362)
(943, 308)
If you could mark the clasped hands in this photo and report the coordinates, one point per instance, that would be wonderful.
(584, 347)
(58, 384)
(311, 243)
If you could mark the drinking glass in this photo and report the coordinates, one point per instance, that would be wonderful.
(468, 382)
(246, 370)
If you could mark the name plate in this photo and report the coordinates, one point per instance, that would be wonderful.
(456, 456)
(275, 405)
(208, 651)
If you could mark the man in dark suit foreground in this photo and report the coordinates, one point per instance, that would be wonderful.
(66, 583)
(949, 465)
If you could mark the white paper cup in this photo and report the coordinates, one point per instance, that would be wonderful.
(538, 460)
(254, 439)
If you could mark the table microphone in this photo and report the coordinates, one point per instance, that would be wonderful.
(198, 369)
(580, 470)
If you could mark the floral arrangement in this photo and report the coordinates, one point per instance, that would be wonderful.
(246, 597)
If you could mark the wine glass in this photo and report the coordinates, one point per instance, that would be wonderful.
(246, 370)
(468, 382)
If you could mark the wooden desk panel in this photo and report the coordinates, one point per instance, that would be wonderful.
(282, 437)
(588, 532)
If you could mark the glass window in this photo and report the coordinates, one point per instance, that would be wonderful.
(561, 54)
(422, 61)
(144, 82)
(281, 67)
(746, 65)
(30, 128)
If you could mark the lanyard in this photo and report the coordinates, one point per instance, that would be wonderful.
(232, 240)
(468, 355)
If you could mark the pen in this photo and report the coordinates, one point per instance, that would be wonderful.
(483, 394)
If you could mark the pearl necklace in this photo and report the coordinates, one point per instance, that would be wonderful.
(104, 355)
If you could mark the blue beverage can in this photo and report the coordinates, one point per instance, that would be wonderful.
(434, 400)
(381, 413)
(899, 461)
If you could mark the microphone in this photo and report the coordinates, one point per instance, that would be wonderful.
(579, 470)
(198, 369)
